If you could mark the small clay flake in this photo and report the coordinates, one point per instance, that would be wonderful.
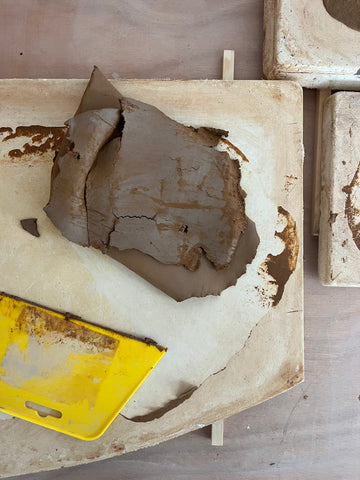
(30, 225)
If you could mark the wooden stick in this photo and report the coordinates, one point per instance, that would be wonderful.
(217, 428)
(321, 96)
(228, 64)
(217, 433)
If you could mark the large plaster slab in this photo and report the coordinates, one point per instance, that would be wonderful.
(225, 353)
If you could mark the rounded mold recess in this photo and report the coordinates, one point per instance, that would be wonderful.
(345, 11)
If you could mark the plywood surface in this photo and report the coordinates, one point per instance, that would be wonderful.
(312, 431)
(303, 42)
(260, 314)
(339, 252)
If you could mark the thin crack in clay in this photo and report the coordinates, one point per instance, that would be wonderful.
(352, 206)
(172, 205)
(123, 170)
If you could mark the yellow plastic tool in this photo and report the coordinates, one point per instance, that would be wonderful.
(64, 373)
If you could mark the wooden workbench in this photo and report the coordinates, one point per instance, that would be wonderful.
(313, 430)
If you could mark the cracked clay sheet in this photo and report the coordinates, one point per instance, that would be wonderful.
(202, 334)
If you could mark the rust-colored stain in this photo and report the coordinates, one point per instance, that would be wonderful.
(43, 323)
(235, 149)
(281, 266)
(5, 129)
(352, 207)
(290, 374)
(50, 138)
(117, 446)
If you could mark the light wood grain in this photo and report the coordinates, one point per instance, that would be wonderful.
(228, 65)
(313, 431)
(217, 433)
(217, 428)
(321, 96)
(129, 39)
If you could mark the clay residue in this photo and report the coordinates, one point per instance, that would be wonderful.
(230, 147)
(345, 11)
(30, 226)
(5, 130)
(166, 408)
(42, 139)
(47, 326)
(332, 217)
(128, 178)
(290, 181)
(352, 206)
(281, 266)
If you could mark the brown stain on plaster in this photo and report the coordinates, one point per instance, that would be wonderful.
(233, 148)
(289, 375)
(117, 446)
(332, 217)
(290, 181)
(5, 130)
(281, 266)
(47, 138)
(352, 207)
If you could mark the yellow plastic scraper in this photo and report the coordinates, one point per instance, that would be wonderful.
(65, 374)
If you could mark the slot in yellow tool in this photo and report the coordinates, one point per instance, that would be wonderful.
(63, 373)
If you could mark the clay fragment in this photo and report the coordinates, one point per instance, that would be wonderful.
(149, 191)
(180, 283)
(30, 225)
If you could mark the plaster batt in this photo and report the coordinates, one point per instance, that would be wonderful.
(210, 340)
(339, 254)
